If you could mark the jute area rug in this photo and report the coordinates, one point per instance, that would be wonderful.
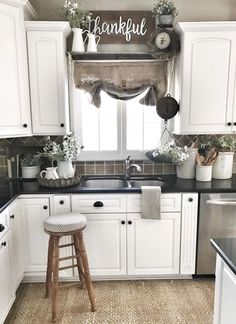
(120, 302)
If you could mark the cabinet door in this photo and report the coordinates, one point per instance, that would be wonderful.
(153, 245)
(6, 292)
(207, 77)
(188, 233)
(17, 248)
(225, 294)
(105, 240)
(34, 212)
(48, 78)
(61, 204)
(14, 94)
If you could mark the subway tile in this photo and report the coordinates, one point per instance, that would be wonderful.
(109, 167)
(158, 168)
(99, 168)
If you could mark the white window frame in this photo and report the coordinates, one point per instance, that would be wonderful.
(121, 153)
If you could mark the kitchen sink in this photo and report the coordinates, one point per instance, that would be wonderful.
(104, 183)
(120, 182)
(137, 182)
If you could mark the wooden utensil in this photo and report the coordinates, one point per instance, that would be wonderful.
(199, 159)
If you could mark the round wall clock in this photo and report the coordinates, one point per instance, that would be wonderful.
(164, 40)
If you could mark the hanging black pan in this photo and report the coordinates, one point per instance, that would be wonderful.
(167, 107)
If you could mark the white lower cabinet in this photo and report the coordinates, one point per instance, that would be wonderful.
(17, 248)
(7, 294)
(105, 240)
(225, 294)
(34, 212)
(153, 245)
(122, 243)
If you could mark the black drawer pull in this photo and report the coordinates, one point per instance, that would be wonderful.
(2, 228)
(129, 222)
(62, 125)
(12, 216)
(4, 243)
(229, 123)
(45, 207)
(123, 222)
(234, 123)
(190, 199)
(98, 204)
(61, 202)
(25, 125)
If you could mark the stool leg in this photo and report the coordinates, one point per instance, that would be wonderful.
(55, 270)
(49, 267)
(82, 251)
(79, 261)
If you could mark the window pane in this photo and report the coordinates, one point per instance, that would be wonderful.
(143, 126)
(99, 125)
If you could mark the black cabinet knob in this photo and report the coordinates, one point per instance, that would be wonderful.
(12, 216)
(62, 125)
(4, 243)
(234, 124)
(61, 202)
(123, 222)
(98, 204)
(190, 199)
(25, 125)
(2, 228)
(129, 222)
(45, 207)
(229, 123)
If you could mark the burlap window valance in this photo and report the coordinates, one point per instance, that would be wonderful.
(122, 80)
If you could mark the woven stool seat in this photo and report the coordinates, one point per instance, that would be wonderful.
(62, 223)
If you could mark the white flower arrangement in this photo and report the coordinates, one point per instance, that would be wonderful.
(77, 17)
(67, 150)
(164, 7)
(169, 152)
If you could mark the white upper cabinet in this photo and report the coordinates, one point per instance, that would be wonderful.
(14, 88)
(205, 78)
(48, 77)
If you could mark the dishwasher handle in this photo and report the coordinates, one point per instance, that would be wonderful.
(221, 202)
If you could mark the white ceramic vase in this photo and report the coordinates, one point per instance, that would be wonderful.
(30, 172)
(223, 166)
(187, 169)
(203, 172)
(65, 169)
(78, 42)
(92, 42)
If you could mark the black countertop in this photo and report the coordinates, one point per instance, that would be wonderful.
(226, 248)
(11, 188)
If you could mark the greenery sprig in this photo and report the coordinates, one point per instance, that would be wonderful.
(68, 149)
(164, 7)
(77, 17)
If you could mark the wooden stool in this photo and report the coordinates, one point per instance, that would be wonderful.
(57, 226)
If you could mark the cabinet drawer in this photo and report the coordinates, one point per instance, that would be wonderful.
(169, 203)
(61, 204)
(99, 203)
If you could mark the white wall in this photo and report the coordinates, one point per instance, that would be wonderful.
(190, 10)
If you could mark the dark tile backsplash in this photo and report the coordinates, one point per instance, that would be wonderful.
(13, 146)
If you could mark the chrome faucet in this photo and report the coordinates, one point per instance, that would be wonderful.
(129, 166)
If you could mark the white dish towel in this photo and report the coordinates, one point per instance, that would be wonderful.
(151, 202)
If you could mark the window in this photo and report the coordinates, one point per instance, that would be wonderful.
(116, 129)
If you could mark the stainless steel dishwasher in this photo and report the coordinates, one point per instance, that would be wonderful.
(217, 218)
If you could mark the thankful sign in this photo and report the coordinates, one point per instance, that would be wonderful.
(122, 26)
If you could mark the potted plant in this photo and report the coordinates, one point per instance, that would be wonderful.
(164, 11)
(78, 19)
(64, 153)
(169, 152)
(223, 167)
(30, 165)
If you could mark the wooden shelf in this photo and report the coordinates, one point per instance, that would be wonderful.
(121, 56)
